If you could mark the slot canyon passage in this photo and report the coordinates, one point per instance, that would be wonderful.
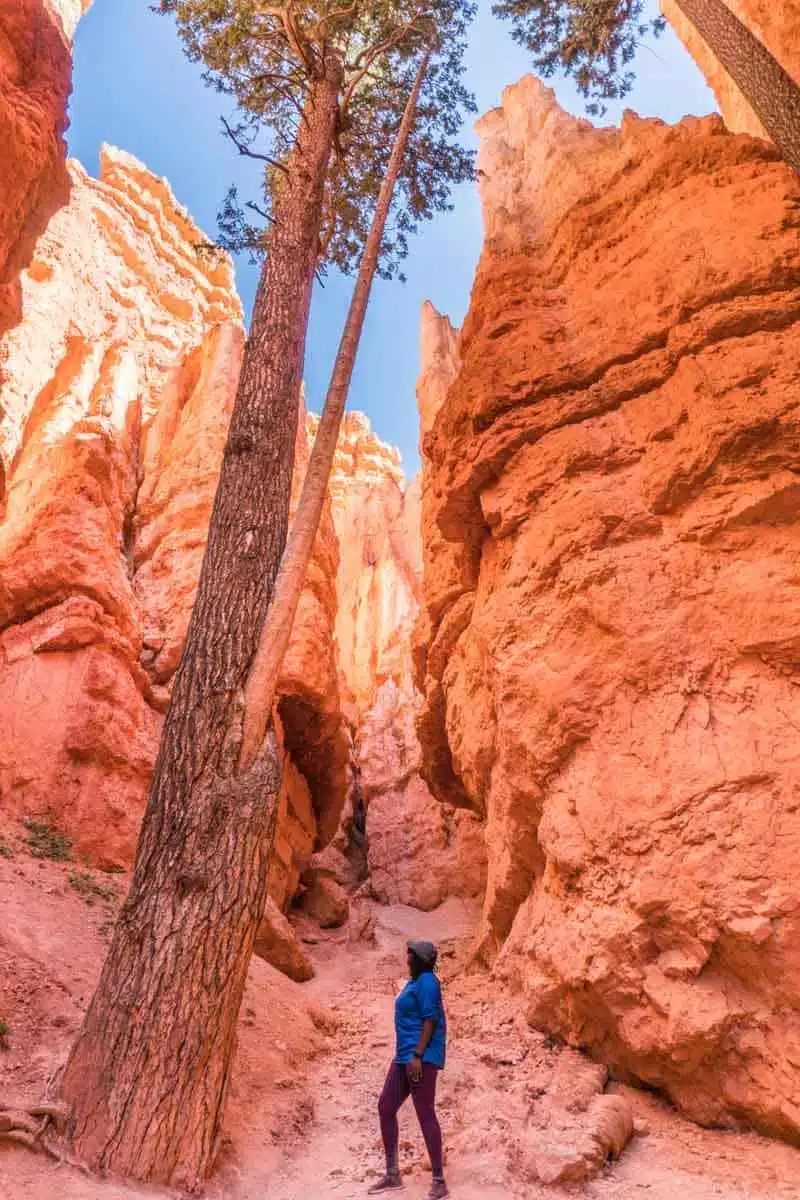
(559, 667)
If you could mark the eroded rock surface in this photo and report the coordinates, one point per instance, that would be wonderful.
(117, 392)
(324, 899)
(277, 944)
(609, 650)
(35, 82)
(419, 851)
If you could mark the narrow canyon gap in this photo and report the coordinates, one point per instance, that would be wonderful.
(607, 636)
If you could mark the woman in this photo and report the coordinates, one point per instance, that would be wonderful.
(421, 1028)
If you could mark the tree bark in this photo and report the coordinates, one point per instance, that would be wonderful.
(263, 678)
(770, 91)
(147, 1076)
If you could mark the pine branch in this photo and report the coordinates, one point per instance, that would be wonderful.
(300, 43)
(262, 212)
(245, 150)
(367, 57)
(284, 93)
(293, 33)
(281, 78)
(334, 15)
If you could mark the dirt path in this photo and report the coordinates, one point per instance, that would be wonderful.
(344, 1152)
(488, 1097)
(311, 1062)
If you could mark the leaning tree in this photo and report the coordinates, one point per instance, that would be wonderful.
(595, 41)
(262, 680)
(320, 88)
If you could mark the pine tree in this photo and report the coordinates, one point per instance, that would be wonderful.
(263, 678)
(595, 41)
(319, 89)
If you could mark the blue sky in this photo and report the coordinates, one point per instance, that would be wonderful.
(134, 88)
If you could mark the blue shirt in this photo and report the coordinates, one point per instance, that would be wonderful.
(420, 1001)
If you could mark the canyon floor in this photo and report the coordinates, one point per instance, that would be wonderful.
(311, 1061)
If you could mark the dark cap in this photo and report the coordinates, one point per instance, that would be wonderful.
(426, 952)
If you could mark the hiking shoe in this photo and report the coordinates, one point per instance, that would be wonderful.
(438, 1190)
(388, 1183)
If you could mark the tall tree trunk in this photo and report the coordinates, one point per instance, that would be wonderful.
(263, 678)
(147, 1076)
(770, 91)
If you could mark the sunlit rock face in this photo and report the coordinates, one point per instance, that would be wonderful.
(609, 644)
(117, 391)
(118, 274)
(419, 852)
(776, 23)
(378, 579)
(68, 13)
(35, 80)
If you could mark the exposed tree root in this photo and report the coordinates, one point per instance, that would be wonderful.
(29, 1124)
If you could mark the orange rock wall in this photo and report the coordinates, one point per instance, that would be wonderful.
(35, 80)
(117, 391)
(775, 22)
(609, 648)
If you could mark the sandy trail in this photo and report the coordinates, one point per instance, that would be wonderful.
(484, 1097)
(311, 1061)
(344, 1151)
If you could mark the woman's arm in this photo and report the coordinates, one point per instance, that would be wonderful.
(415, 1066)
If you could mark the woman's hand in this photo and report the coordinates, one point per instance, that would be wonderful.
(414, 1069)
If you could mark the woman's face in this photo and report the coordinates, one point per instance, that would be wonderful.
(410, 959)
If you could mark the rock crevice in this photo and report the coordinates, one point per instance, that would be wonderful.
(418, 851)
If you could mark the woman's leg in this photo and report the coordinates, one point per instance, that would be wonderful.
(423, 1095)
(394, 1094)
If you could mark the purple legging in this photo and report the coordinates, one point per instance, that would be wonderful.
(396, 1090)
